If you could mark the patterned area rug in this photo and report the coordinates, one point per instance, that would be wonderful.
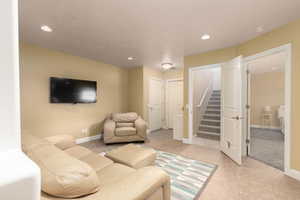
(188, 177)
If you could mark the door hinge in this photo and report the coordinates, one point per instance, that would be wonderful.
(248, 71)
(247, 141)
(247, 106)
(228, 144)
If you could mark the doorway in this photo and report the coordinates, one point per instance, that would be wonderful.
(174, 107)
(230, 103)
(235, 124)
(155, 104)
(206, 104)
(268, 104)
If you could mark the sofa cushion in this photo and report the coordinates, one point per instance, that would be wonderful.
(78, 151)
(62, 141)
(62, 175)
(125, 131)
(132, 155)
(124, 124)
(124, 117)
(97, 162)
(113, 173)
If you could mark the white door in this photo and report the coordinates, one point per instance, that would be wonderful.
(154, 106)
(232, 112)
(174, 96)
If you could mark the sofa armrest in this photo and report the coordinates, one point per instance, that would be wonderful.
(109, 129)
(141, 127)
(62, 141)
(138, 185)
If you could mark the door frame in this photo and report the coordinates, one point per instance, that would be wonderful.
(190, 108)
(167, 98)
(148, 100)
(287, 97)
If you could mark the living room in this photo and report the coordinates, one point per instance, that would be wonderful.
(95, 108)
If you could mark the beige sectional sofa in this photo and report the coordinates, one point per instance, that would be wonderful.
(124, 127)
(70, 171)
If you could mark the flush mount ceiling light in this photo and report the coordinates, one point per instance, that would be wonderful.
(205, 37)
(130, 58)
(166, 66)
(259, 29)
(46, 28)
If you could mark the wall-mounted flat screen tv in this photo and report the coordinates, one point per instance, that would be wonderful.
(64, 90)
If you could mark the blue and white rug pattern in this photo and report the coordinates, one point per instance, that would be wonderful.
(188, 177)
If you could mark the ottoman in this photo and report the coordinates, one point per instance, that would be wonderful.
(133, 156)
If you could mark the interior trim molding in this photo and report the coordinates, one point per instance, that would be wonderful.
(88, 139)
(293, 173)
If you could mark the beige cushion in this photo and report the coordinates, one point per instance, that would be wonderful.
(125, 124)
(124, 117)
(62, 175)
(30, 142)
(121, 183)
(125, 131)
(97, 162)
(113, 173)
(62, 141)
(78, 151)
(133, 156)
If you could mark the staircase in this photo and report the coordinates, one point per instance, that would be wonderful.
(210, 122)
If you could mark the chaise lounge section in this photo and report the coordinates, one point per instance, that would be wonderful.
(70, 171)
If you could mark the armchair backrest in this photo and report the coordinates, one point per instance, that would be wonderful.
(129, 117)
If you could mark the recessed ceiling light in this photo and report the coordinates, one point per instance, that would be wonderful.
(46, 28)
(259, 29)
(130, 58)
(205, 37)
(166, 66)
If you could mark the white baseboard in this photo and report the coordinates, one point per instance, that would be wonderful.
(88, 139)
(148, 131)
(293, 173)
(265, 127)
(186, 141)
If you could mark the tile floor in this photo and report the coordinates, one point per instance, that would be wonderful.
(253, 180)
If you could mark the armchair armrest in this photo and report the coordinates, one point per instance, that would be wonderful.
(138, 186)
(109, 129)
(62, 141)
(141, 127)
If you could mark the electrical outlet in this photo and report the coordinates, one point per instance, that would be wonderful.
(84, 131)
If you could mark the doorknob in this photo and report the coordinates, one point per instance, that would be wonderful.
(237, 118)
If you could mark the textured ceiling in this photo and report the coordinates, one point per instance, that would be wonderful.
(152, 31)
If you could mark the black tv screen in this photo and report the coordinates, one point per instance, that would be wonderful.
(63, 90)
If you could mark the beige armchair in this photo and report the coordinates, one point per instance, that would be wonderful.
(124, 127)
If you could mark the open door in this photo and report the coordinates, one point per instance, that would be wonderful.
(231, 109)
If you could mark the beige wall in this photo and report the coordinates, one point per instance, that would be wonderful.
(283, 35)
(41, 118)
(135, 84)
(267, 89)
